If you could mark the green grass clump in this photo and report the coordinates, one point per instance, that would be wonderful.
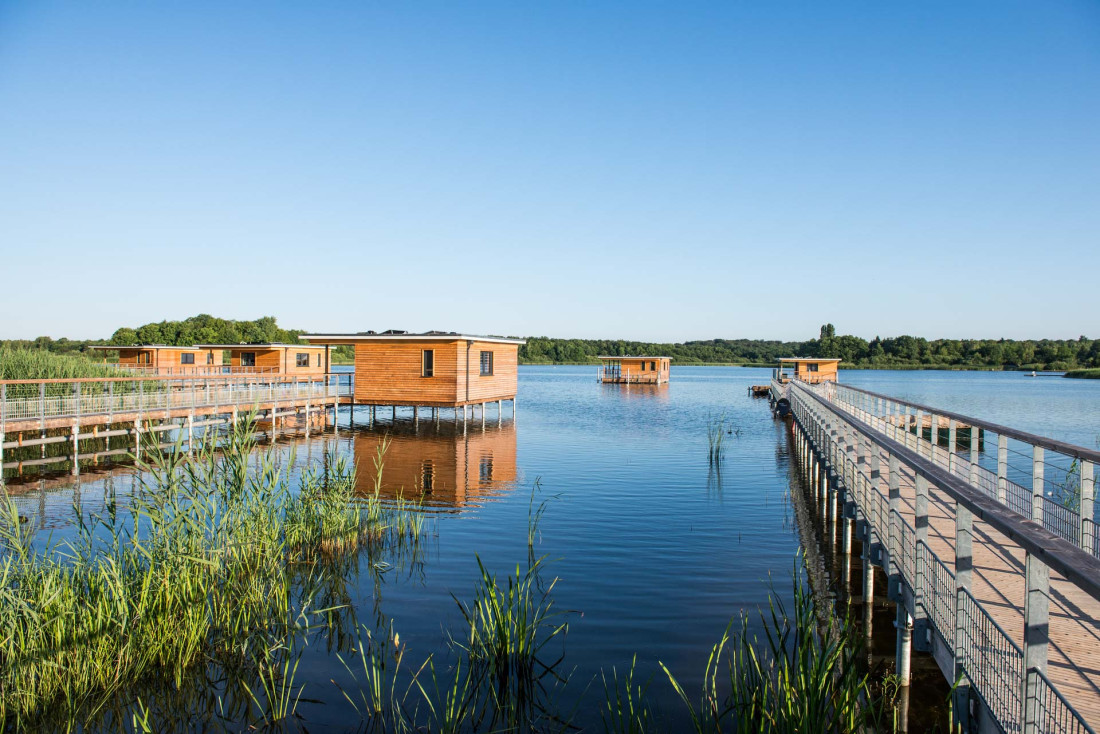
(38, 364)
(205, 567)
(798, 678)
(1084, 374)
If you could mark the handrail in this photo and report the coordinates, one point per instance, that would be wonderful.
(1059, 554)
(1079, 452)
(278, 377)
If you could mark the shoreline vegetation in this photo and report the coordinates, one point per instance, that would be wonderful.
(199, 594)
(890, 353)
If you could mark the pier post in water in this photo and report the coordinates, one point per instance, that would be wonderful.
(904, 652)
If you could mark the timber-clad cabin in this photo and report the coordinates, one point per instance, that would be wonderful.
(282, 359)
(808, 369)
(634, 370)
(434, 369)
(160, 359)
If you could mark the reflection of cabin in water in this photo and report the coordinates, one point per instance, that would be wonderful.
(160, 359)
(443, 467)
(282, 359)
(807, 369)
(435, 369)
(634, 370)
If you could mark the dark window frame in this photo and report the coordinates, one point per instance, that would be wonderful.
(248, 359)
(301, 359)
(483, 361)
(427, 363)
(187, 358)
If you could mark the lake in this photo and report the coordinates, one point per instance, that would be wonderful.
(655, 548)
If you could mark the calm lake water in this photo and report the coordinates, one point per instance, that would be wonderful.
(654, 548)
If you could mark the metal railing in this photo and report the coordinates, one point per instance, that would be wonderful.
(611, 374)
(993, 665)
(38, 401)
(1042, 479)
(190, 370)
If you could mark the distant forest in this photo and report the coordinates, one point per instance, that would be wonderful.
(899, 352)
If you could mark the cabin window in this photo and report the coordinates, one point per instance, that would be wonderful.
(248, 359)
(210, 358)
(486, 364)
(812, 367)
(301, 359)
(143, 358)
(427, 364)
(318, 359)
(652, 366)
(187, 359)
(485, 469)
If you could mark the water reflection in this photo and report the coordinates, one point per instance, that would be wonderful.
(441, 465)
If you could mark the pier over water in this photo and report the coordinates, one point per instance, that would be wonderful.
(988, 540)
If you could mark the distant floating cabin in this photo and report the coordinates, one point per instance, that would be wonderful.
(808, 369)
(634, 370)
(163, 360)
(282, 359)
(434, 369)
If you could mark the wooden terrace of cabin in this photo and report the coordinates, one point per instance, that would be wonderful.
(282, 359)
(808, 369)
(160, 359)
(434, 369)
(630, 370)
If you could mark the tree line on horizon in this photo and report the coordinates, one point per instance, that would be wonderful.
(891, 352)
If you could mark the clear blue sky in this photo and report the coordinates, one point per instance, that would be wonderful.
(660, 171)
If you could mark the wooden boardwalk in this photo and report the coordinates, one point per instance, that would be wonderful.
(1029, 646)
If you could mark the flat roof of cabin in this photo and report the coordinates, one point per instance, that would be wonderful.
(392, 335)
(116, 347)
(634, 356)
(254, 346)
(809, 359)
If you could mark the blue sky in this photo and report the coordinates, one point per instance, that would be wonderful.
(659, 171)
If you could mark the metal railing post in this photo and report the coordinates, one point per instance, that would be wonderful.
(895, 507)
(1037, 484)
(952, 443)
(964, 565)
(1002, 468)
(1036, 636)
(1086, 510)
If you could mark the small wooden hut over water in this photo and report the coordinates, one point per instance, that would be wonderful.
(808, 369)
(634, 370)
(282, 359)
(161, 359)
(436, 369)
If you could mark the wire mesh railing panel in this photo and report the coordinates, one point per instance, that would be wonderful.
(937, 591)
(1052, 713)
(1061, 520)
(991, 660)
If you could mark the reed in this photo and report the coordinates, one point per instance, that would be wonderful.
(204, 567)
(37, 364)
(716, 434)
(798, 678)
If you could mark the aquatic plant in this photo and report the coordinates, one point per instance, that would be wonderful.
(38, 364)
(200, 569)
(716, 434)
(798, 678)
(625, 709)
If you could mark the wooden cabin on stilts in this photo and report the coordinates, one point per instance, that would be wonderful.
(431, 371)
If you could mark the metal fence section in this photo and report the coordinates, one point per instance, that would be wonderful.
(31, 402)
(1039, 478)
(853, 434)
